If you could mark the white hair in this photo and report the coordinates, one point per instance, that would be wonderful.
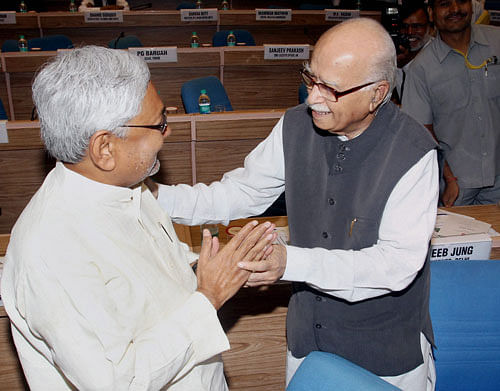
(85, 90)
(382, 63)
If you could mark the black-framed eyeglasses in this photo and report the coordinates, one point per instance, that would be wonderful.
(413, 26)
(162, 127)
(326, 91)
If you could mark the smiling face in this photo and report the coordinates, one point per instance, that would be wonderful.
(137, 158)
(416, 27)
(340, 60)
(451, 16)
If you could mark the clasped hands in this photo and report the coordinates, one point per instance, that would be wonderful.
(249, 259)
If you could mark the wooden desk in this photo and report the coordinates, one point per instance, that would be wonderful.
(487, 213)
(201, 148)
(250, 81)
(165, 28)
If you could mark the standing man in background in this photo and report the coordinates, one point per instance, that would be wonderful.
(416, 27)
(453, 87)
(362, 185)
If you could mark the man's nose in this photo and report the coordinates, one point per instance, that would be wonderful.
(453, 7)
(314, 95)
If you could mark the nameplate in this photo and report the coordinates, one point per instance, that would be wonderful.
(103, 16)
(7, 17)
(161, 54)
(461, 248)
(340, 15)
(273, 14)
(494, 16)
(199, 15)
(286, 52)
(4, 137)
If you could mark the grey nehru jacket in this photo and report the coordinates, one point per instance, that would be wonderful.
(329, 183)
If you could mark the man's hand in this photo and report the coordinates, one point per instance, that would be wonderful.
(451, 188)
(268, 270)
(450, 193)
(219, 276)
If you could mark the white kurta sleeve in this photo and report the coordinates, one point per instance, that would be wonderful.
(393, 262)
(243, 192)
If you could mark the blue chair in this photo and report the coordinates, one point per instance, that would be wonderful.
(3, 114)
(190, 92)
(220, 37)
(10, 45)
(322, 371)
(125, 42)
(186, 5)
(48, 43)
(309, 6)
(303, 93)
(466, 320)
(51, 42)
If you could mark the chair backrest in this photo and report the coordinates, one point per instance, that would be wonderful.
(302, 93)
(50, 42)
(310, 6)
(3, 113)
(190, 93)
(220, 37)
(186, 5)
(321, 371)
(465, 312)
(10, 45)
(125, 42)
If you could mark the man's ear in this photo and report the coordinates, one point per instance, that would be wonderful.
(380, 93)
(102, 150)
(430, 13)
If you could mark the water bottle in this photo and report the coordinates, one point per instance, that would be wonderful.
(195, 41)
(72, 6)
(224, 5)
(204, 102)
(22, 7)
(198, 4)
(22, 44)
(231, 39)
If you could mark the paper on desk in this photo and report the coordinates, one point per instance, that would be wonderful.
(454, 224)
(283, 235)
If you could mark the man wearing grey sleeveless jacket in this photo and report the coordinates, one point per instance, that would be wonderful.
(361, 183)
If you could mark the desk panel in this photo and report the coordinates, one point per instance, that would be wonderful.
(214, 158)
(250, 81)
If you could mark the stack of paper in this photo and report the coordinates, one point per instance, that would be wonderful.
(460, 237)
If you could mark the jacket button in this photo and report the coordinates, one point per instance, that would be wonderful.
(318, 298)
(340, 156)
(325, 234)
(338, 168)
(318, 326)
(331, 201)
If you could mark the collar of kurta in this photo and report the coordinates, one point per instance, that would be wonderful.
(81, 188)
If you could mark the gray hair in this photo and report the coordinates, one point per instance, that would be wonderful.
(85, 90)
(382, 64)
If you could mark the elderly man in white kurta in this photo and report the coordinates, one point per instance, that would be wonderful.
(99, 290)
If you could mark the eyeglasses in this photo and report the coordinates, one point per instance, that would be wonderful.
(413, 26)
(162, 127)
(327, 92)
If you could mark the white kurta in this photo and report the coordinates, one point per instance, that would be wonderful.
(101, 295)
(404, 233)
